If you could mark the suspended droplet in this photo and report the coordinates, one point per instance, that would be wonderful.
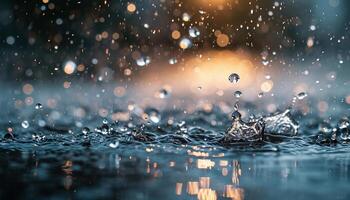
(344, 123)
(153, 115)
(69, 67)
(301, 95)
(25, 124)
(186, 17)
(238, 94)
(234, 78)
(194, 32)
(86, 130)
(172, 61)
(38, 106)
(105, 121)
(185, 43)
(114, 145)
(261, 94)
(163, 93)
(236, 115)
(143, 61)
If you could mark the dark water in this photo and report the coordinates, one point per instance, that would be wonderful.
(69, 151)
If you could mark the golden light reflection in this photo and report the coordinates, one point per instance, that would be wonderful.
(236, 172)
(204, 182)
(233, 192)
(197, 153)
(205, 164)
(266, 86)
(203, 187)
(192, 187)
(131, 7)
(215, 3)
(206, 194)
(208, 71)
(178, 189)
(67, 167)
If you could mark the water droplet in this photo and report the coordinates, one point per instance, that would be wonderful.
(301, 95)
(69, 67)
(38, 106)
(143, 61)
(114, 145)
(172, 61)
(25, 124)
(238, 94)
(153, 115)
(234, 78)
(105, 121)
(344, 123)
(186, 17)
(85, 130)
(185, 43)
(163, 93)
(194, 32)
(261, 94)
(10, 40)
(236, 115)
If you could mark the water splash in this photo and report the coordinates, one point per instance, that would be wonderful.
(281, 124)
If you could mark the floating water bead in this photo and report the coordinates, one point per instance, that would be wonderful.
(114, 145)
(194, 32)
(185, 43)
(143, 61)
(153, 115)
(163, 93)
(234, 78)
(172, 61)
(301, 95)
(238, 94)
(85, 130)
(38, 106)
(25, 124)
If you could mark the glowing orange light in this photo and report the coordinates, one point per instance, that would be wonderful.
(131, 7)
(175, 35)
(266, 86)
(222, 40)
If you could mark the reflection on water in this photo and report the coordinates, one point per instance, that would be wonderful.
(168, 155)
(204, 188)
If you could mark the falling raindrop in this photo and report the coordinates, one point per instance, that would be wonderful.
(301, 95)
(163, 93)
(114, 145)
(186, 17)
(238, 94)
(234, 78)
(194, 32)
(38, 106)
(25, 124)
(185, 43)
(153, 115)
(143, 61)
(85, 130)
(172, 61)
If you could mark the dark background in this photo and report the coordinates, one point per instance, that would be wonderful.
(36, 30)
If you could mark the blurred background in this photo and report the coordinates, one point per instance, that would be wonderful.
(184, 48)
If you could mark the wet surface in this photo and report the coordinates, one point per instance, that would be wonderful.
(67, 150)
